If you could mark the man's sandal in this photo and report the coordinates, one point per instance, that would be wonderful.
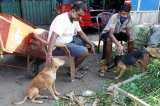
(77, 75)
(83, 68)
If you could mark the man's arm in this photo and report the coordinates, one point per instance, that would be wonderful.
(39, 38)
(111, 36)
(51, 45)
(128, 32)
(84, 37)
(113, 39)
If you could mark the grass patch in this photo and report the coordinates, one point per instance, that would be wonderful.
(104, 98)
(146, 88)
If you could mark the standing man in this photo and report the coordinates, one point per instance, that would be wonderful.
(65, 29)
(118, 29)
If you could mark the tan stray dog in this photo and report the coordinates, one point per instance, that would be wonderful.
(45, 79)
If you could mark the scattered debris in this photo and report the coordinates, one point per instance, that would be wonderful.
(69, 96)
(102, 62)
(18, 81)
(20, 76)
(81, 101)
(102, 85)
(77, 99)
(88, 93)
(95, 102)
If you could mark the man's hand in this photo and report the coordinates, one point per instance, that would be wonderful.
(131, 38)
(120, 49)
(48, 60)
(92, 49)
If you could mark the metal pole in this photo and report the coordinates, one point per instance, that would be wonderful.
(132, 97)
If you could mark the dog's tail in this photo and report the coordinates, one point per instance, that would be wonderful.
(17, 103)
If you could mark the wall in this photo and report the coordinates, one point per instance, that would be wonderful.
(145, 11)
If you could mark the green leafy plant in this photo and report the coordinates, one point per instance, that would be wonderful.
(142, 34)
(154, 67)
(104, 98)
(146, 88)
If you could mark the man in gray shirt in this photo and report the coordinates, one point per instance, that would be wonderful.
(118, 29)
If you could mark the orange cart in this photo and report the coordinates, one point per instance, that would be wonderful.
(16, 38)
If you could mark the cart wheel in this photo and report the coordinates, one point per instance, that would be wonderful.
(32, 69)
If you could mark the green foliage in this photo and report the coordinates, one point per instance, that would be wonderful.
(62, 102)
(146, 88)
(113, 53)
(154, 67)
(142, 34)
(104, 98)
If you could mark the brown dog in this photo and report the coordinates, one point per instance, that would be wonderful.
(45, 79)
(139, 56)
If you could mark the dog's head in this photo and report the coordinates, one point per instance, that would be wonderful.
(57, 62)
(102, 70)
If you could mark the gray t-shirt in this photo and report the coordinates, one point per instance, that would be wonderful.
(114, 22)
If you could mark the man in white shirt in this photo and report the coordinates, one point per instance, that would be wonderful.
(65, 29)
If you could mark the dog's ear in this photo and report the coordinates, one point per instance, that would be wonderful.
(55, 65)
(103, 68)
(58, 62)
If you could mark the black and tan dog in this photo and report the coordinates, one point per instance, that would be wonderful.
(139, 56)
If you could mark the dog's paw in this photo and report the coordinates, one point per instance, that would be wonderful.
(56, 98)
(57, 93)
(34, 101)
(40, 102)
(46, 97)
(101, 74)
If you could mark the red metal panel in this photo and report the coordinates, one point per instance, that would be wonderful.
(4, 28)
(34, 48)
(17, 36)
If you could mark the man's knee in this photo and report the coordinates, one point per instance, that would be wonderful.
(76, 50)
(85, 53)
(108, 41)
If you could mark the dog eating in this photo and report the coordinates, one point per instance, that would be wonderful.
(45, 79)
(139, 56)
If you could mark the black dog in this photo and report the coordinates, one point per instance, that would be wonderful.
(140, 55)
